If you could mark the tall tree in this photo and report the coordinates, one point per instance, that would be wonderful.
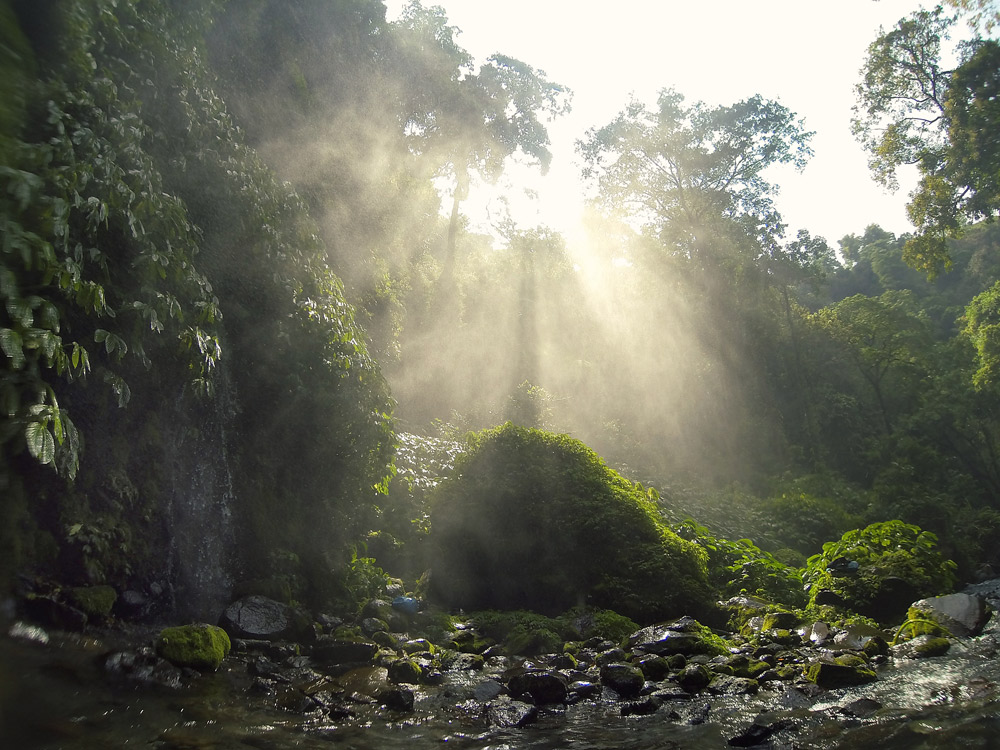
(914, 110)
(680, 170)
(467, 120)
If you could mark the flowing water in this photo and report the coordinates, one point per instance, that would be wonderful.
(56, 695)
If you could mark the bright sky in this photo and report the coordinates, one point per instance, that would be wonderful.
(805, 55)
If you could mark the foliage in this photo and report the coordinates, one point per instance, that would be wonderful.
(913, 110)
(547, 507)
(527, 633)
(740, 567)
(881, 550)
(680, 168)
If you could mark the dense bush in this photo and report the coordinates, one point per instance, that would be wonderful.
(860, 566)
(534, 520)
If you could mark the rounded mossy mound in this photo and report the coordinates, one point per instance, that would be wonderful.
(200, 646)
(533, 520)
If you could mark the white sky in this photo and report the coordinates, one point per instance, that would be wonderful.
(806, 55)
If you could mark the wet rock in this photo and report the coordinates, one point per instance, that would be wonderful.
(581, 690)
(654, 668)
(405, 670)
(922, 647)
(725, 684)
(507, 713)
(329, 650)
(397, 699)
(694, 678)
(862, 708)
(830, 675)
(794, 698)
(611, 656)
(543, 687)
(648, 705)
(132, 605)
(266, 669)
(663, 640)
(488, 690)
(624, 679)
(365, 681)
(372, 625)
(757, 734)
(258, 617)
(959, 614)
(143, 666)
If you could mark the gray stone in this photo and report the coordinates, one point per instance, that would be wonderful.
(257, 617)
(504, 712)
(960, 614)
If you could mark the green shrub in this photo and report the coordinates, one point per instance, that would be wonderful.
(537, 521)
(741, 567)
(886, 550)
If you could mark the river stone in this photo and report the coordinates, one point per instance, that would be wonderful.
(488, 690)
(662, 640)
(830, 675)
(543, 687)
(200, 646)
(503, 712)
(624, 679)
(257, 617)
(337, 651)
(960, 614)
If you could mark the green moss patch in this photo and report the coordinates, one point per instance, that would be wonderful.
(198, 646)
(534, 520)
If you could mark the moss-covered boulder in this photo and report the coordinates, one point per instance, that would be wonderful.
(94, 601)
(844, 671)
(533, 520)
(199, 646)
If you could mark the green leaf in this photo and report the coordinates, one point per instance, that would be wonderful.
(10, 342)
(41, 445)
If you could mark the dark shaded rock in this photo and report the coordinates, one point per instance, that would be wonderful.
(671, 694)
(257, 617)
(891, 600)
(94, 601)
(329, 650)
(143, 666)
(372, 625)
(694, 678)
(830, 598)
(405, 670)
(507, 713)
(611, 656)
(267, 669)
(782, 620)
(862, 708)
(648, 705)
(542, 687)
(757, 734)
(624, 679)
(654, 668)
(959, 614)
(397, 699)
(725, 684)
(132, 605)
(49, 612)
(581, 690)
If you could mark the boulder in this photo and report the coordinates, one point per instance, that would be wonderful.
(506, 713)
(543, 687)
(959, 614)
(200, 646)
(666, 639)
(258, 617)
(624, 679)
(830, 675)
(329, 650)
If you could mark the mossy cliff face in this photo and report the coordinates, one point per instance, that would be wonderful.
(537, 521)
